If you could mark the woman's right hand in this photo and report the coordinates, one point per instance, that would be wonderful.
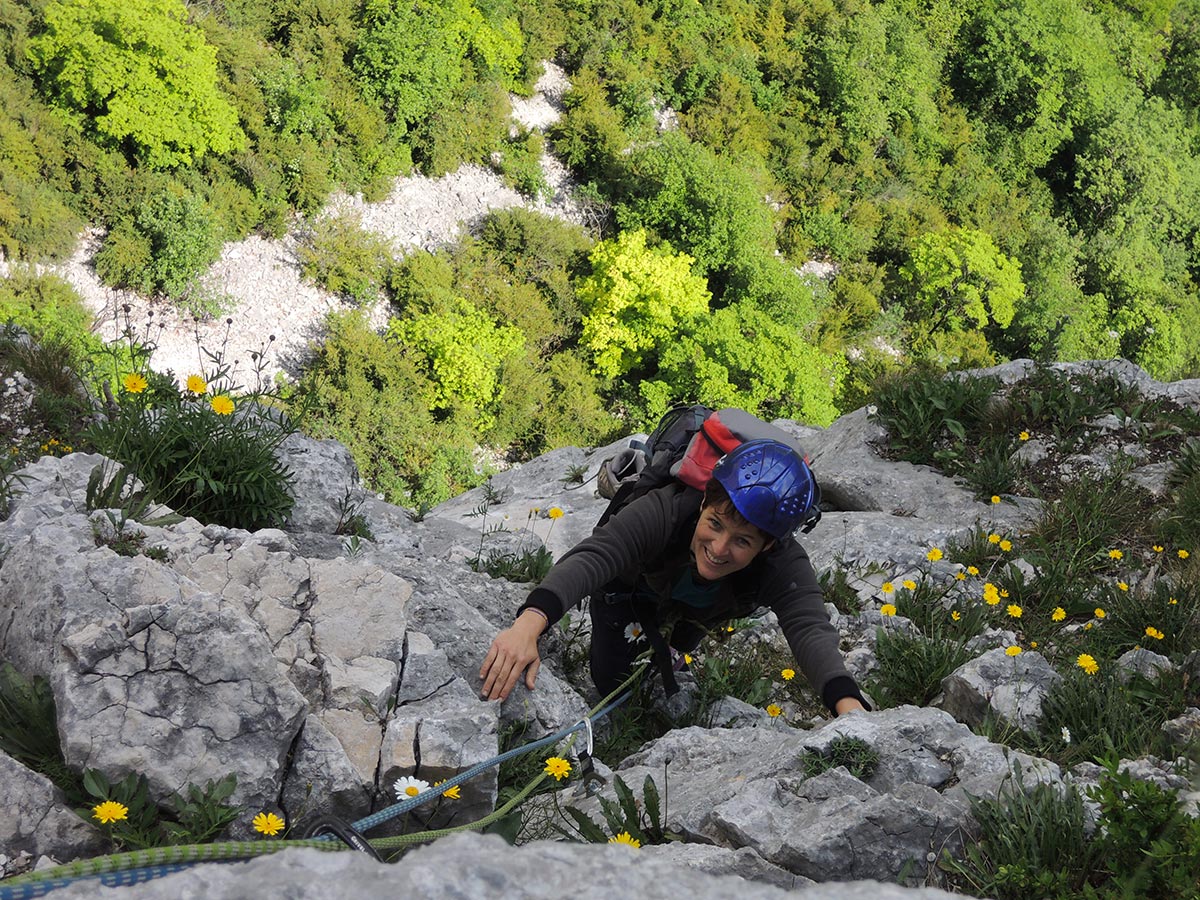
(514, 651)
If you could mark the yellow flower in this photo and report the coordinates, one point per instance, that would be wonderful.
(1003, 592)
(1172, 602)
(1088, 626)
(934, 554)
(453, 793)
(268, 823)
(909, 584)
(1157, 548)
(993, 538)
(887, 609)
(1014, 650)
(888, 587)
(1122, 585)
(995, 498)
(1100, 613)
(1183, 554)
(558, 767)
(960, 576)
(972, 570)
(134, 383)
(221, 405)
(554, 512)
(788, 674)
(955, 615)
(1013, 610)
(1153, 632)
(196, 384)
(990, 594)
(1006, 546)
(1059, 614)
(1115, 554)
(1088, 663)
(1024, 435)
(1033, 645)
(687, 658)
(729, 629)
(110, 811)
(627, 839)
(774, 710)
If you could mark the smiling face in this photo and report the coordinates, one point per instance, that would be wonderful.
(724, 542)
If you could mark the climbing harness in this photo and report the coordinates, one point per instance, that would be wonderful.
(327, 833)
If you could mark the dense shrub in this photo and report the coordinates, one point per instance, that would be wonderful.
(170, 240)
(364, 391)
(50, 310)
(139, 75)
(343, 258)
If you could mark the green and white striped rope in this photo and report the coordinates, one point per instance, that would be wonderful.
(143, 865)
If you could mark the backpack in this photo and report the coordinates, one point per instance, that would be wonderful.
(684, 446)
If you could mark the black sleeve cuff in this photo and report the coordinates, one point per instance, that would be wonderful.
(545, 602)
(838, 687)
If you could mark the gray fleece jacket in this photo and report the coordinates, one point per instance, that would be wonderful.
(645, 549)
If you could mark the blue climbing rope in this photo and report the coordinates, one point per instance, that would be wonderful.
(22, 889)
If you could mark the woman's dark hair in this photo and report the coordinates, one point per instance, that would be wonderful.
(717, 498)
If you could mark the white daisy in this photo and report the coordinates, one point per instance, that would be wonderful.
(633, 632)
(408, 787)
(1066, 735)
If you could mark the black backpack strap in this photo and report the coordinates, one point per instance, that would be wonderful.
(648, 617)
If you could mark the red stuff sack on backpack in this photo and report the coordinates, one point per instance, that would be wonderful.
(724, 430)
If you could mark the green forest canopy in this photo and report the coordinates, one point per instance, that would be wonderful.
(990, 179)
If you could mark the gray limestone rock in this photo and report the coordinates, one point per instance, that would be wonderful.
(524, 496)
(1184, 730)
(321, 779)
(472, 865)
(730, 712)
(438, 737)
(326, 486)
(743, 862)
(1011, 687)
(1141, 661)
(35, 818)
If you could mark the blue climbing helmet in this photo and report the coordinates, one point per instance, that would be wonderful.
(771, 486)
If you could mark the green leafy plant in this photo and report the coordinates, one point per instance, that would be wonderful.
(1085, 718)
(208, 451)
(351, 521)
(342, 257)
(520, 161)
(624, 816)
(123, 540)
(835, 585)
(575, 474)
(927, 414)
(29, 728)
(912, 666)
(860, 758)
(134, 821)
(1149, 846)
(202, 813)
(1030, 842)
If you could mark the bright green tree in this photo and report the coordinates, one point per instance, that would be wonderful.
(143, 77)
(960, 280)
(636, 300)
(411, 56)
(463, 350)
(739, 356)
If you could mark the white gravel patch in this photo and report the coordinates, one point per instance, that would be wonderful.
(262, 276)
